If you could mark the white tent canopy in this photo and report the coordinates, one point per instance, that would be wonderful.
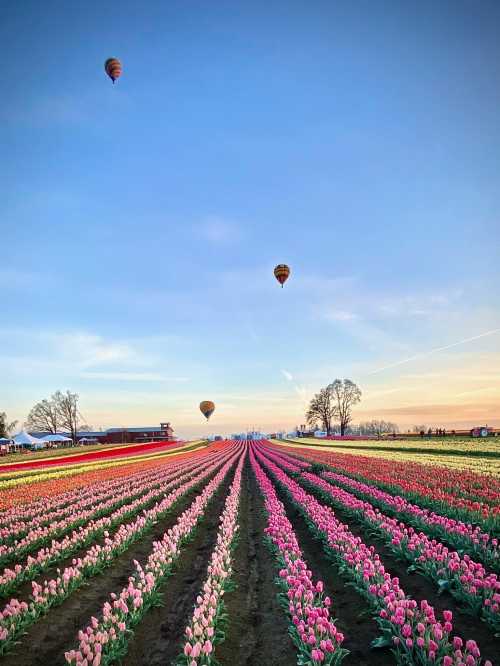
(54, 437)
(25, 438)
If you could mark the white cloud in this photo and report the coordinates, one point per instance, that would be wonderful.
(219, 230)
(340, 315)
(90, 350)
(287, 375)
(67, 354)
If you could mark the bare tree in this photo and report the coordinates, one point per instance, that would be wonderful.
(68, 413)
(345, 394)
(322, 408)
(5, 426)
(419, 428)
(44, 416)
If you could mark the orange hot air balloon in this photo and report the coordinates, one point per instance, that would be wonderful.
(281, 273)
(113, 68)
(207, 408)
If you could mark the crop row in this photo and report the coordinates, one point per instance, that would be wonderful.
(459, 534)
(18, 615)
(105, 639)
(47, 509)
(79, 518)
(129, 506)
(463, 536)
(460, 495)
(311, 627)
(467, 580)
(413, 630)
(206, 628)
(53, 523)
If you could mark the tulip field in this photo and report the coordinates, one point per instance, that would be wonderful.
(251, 553)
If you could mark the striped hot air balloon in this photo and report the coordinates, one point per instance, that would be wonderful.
(113, 68)
(281, 273)
(207, 408)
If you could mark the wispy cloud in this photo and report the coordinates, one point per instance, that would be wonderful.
(434, 351)
(70, 353)
(219, 230)
(92, 350)
(287, 375)
(339, 315)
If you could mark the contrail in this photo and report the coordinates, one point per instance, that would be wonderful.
(434, 351)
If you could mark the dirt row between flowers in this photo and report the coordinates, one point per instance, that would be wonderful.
(348, 607)
(47, 640)
(258, 629)
(417, 586)
(23, 591)
(158, 638)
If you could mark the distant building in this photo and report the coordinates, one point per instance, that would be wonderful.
(162, 433)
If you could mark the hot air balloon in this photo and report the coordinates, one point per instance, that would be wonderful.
(113, 68)
(207, 408)
(281, 273)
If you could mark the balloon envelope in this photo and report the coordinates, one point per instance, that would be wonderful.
(207, 408)
(281, 273)
(113, 68)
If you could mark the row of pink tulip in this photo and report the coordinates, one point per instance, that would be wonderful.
(47, 509)
(413, 630)
(291, 464)
(100, 494)
(104, 640)
(314, 631)
(84, 535)
(204, 630)
(467, 580)
(461, 535)
(78, 517)
(17, 615)
(38, 512)
(460, 494)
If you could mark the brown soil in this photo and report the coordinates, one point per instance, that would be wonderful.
(419, 587)
(258, 628)
(350, 608)
(47, 640)
(157, 639)
(23, 590)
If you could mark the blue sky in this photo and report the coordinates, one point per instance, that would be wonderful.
(357, 142)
